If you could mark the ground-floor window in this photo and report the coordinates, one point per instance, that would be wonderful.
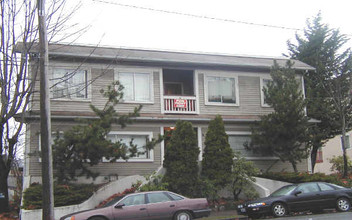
(136, 138)
(319, 158)
(238, 140)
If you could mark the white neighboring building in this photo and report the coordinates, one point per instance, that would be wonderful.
(332, 148)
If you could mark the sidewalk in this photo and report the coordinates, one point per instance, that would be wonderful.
(225, 215)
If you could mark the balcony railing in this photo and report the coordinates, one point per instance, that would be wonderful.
(180, 104)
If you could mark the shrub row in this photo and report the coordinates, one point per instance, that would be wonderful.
(306, 177)
(63, 195)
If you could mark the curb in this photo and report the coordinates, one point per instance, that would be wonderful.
(236, 218)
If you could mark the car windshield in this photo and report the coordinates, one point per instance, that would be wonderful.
(113, 201)
(283, 191)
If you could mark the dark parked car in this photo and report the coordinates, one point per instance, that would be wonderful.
(148, 205)
(313, 196)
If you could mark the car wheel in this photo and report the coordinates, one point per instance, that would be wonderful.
(343, 204)
(279, 209)
(183, 215)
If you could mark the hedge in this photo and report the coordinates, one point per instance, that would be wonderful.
(63, 195)
(292, 177)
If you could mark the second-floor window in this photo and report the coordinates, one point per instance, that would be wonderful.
(137, 86)
(69, 84)
(221, 90)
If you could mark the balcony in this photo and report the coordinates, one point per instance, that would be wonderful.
(180, 104)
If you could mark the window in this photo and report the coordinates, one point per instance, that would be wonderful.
(157, 197)
(319, 158)
(237, 143)
(137, 86)
(347, 141)
(325, 187)
(174, 196)
(221, 90)
(54, 135)
(308, 188)
(264, 84)
(139, 139)
(133, 200)
(69, 84)
(238, 140)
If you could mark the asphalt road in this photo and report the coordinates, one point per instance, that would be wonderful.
(326, 216)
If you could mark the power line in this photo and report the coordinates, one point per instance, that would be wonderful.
(198, 16)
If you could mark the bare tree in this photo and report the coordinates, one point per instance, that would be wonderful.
(19, 24)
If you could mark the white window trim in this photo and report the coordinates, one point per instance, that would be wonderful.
(347, 142)
(246, 133)
(200, 143)
(71, 67)
(40, 142)
(151, 152)
(117, 72)
(225, 75)
(262, 93)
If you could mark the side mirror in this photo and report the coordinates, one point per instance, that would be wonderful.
(119, 206)
(297, 193)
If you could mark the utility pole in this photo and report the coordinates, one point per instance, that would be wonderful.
(45, 123)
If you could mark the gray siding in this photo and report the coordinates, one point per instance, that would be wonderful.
(104, 168)
(275, 165)
(249, 98)
(101, 77)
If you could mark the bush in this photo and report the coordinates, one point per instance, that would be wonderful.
(155, 183)
(117, 196)
(218, 156)
(306, 177)
(63, 195)
(181, 160)
(337, 164)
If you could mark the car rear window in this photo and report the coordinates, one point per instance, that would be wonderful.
(175, 197)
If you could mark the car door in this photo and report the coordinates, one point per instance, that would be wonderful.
(305, 197)
(160, 205)
(328, 196)
(131, 207)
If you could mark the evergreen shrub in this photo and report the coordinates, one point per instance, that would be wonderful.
(181, 161)
(63, 195)
(218, 156)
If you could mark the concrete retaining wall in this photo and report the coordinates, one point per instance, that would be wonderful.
(99, 196)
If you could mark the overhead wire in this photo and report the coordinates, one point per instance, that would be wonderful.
(202, 16)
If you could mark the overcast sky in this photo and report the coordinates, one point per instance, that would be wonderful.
(150, 24)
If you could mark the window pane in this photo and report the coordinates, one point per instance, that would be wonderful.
(325, 187)
(142, 87)
(237, 144)
(157, 197)
(59, 85)
(139, 140)
(265, 85)
(221, 89)
(69, 83)
(175, 197)
(126, 79)
(77, 85)
(133, 200)
(308, 188)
